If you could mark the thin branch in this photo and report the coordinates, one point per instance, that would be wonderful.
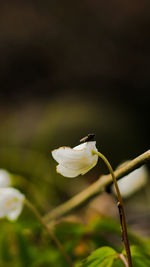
(122, 215)
(52, 236)
(97, 187)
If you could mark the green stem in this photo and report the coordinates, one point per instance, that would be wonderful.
(52, 236)
(120, 207)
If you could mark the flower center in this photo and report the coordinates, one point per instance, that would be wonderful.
(10, 202)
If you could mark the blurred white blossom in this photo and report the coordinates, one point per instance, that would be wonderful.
(77, 160)
(5, 178)
(132, 182)
(11, 203)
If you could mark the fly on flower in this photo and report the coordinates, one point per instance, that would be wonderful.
(89, 137)
(75, 161)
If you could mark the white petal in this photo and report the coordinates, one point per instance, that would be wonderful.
(66, 171)
(70, 172)
(93, 163)
(14, 213)
(11, 203)
(84, 145)
(5, 178)
(77, 158)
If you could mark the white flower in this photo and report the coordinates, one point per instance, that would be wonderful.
(5, 178)
(132, 182)
(11, 203)
(77, 160)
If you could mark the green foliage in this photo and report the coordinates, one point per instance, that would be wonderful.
(70, 233)
(109, 230)
(24, 243)
(108, 257)
(104, 256)
(24, 252)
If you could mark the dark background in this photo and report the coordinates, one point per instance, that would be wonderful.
(68, 69)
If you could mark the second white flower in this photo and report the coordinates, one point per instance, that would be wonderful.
(11, 203)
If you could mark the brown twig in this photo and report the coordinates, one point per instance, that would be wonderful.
(123, 223)
(52, 236)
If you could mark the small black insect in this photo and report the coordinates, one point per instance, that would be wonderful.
(89, 137)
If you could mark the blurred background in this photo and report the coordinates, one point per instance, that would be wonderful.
(68, 69)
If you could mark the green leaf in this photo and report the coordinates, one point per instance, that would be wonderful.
(105, 224)
(103, 257)
(5, 249)
(69, 234)
(69, 229)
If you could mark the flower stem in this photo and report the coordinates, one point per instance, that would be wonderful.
(120, 208)
(123, 259)
(52, 236)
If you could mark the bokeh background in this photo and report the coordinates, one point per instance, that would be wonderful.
(68, 68)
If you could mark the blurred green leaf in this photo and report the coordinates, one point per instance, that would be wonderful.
(105, 224)
(69, 233)
(5, 249)
(23, 250)
(66, 230)
(108, 229)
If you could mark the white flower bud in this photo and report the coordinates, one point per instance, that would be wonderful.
(11, 203)
(132, 182)
(5, 178)
(77, 160)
